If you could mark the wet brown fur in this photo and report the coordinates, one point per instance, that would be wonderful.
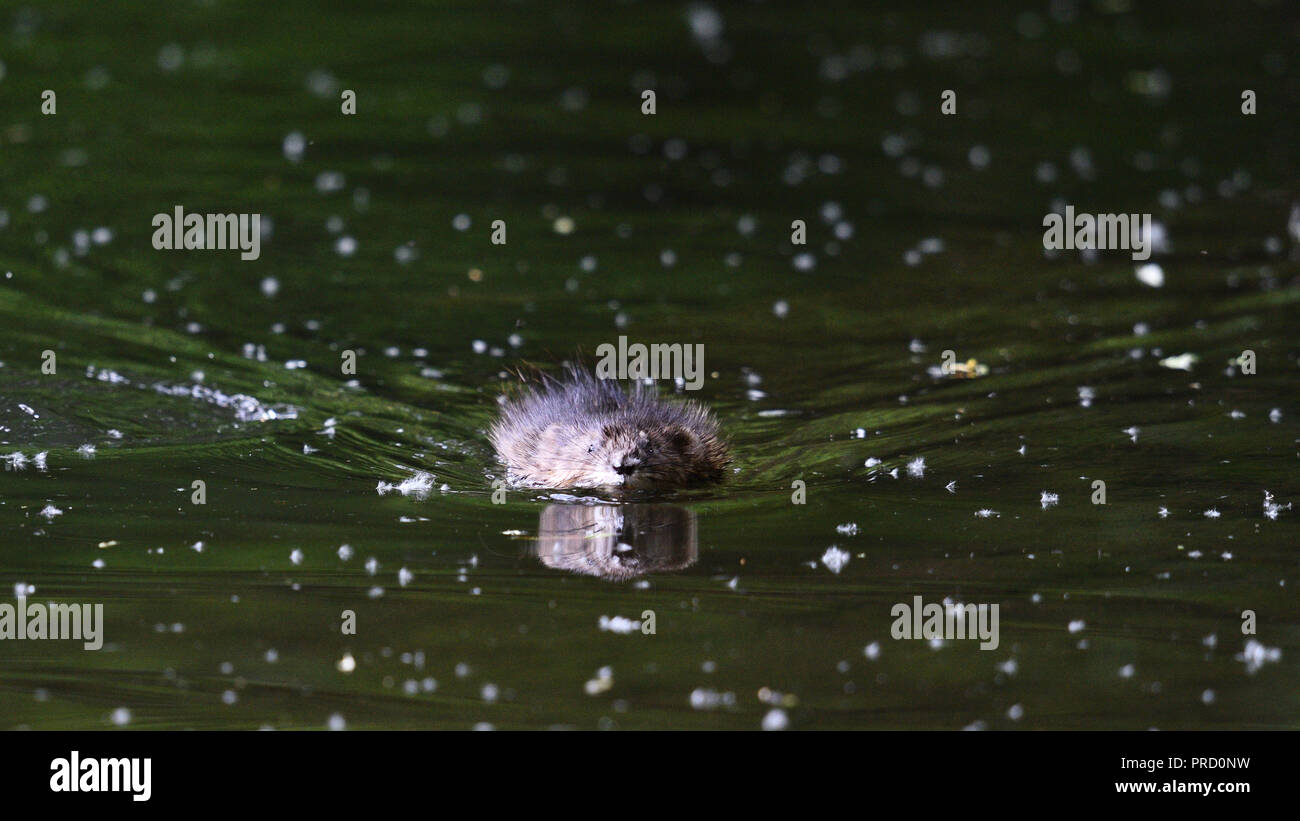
(579, 431)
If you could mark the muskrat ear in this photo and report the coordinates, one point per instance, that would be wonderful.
(682, 439)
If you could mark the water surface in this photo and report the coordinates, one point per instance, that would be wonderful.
(924, 236)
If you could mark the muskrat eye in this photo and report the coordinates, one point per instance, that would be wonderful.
(591, 448)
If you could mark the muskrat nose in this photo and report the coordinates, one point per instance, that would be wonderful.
(625, 469)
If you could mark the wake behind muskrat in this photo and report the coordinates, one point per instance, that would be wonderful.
(582, 432)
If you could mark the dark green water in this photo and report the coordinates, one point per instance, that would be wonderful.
(530, 113)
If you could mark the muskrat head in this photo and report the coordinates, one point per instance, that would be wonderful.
(625, 456)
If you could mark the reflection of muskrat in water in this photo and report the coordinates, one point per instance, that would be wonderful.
(616, 542)
(586, 432)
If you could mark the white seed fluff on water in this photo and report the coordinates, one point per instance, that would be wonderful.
(329, 181)
(1255, 655)
(1181, 362)
(618, 624)
(1151, 275)
(418, 485)
(835, 559)
(294, 145)
(709, 699)
(775, 720)
(603, 681)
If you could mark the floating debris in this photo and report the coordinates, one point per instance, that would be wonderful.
(1271, 508)
(776, 720)
(916, 467)
(246, 408)
(970, 369)
(418, 485)
(1151, 275)
(708, 699)
(1255, 655)
(619, 624)
(1048, 499)
(835, 559)
(601, 683)
(1181, 362)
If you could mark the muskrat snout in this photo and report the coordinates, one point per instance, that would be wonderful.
(627, 466)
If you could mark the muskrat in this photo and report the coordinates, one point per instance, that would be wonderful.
(580, 431)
